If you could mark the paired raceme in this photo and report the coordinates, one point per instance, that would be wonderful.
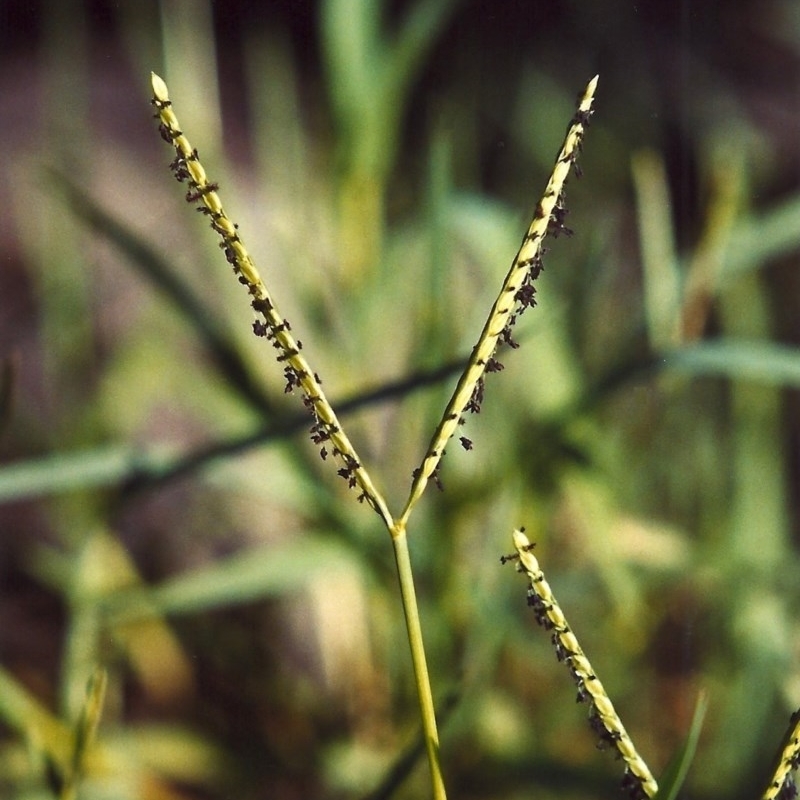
(517, 294)
(638, 780)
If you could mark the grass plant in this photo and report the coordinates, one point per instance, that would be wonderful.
(229, 605)
(516, 294)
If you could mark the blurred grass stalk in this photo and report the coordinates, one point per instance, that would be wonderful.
(190, 62)
(370, 77)
(723, 274)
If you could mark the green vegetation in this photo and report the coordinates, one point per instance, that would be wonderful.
(232, 610)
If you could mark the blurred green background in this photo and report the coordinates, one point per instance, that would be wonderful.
(163, 512)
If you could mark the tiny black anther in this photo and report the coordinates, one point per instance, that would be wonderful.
(466, 443)
(179, 170)
(319, 434)
(536, 266)
(583, 117)
(561, 653)
(476, 400)
(505, 559)
(287, 355)
(167, 134)
(506, 338)
(262, 305)
(788, 791)
(493, 365)
(632, 786)
(194, 196)
(259, 328)
(293, 378)
(526, 295)
(556, 223)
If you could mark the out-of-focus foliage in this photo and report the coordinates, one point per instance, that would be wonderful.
(163, 513)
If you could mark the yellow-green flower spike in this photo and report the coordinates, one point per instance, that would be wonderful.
(782, 783)
(271, 325)
(638, 781)
(516, 294)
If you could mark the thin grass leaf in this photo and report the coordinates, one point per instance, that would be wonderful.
(765, 362)
(675, 774)
(702, 282)
(25, 714)
(8, 378)
(140, 469)
(370, 74)
(758, 239)
(177, 753)
(151, 649)
(405, 763)
(660, 268)
(85, 731)
(255, 574)
(149, 264)
(423, 23)
(73, 471)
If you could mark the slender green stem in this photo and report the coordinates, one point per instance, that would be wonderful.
(414, 629)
